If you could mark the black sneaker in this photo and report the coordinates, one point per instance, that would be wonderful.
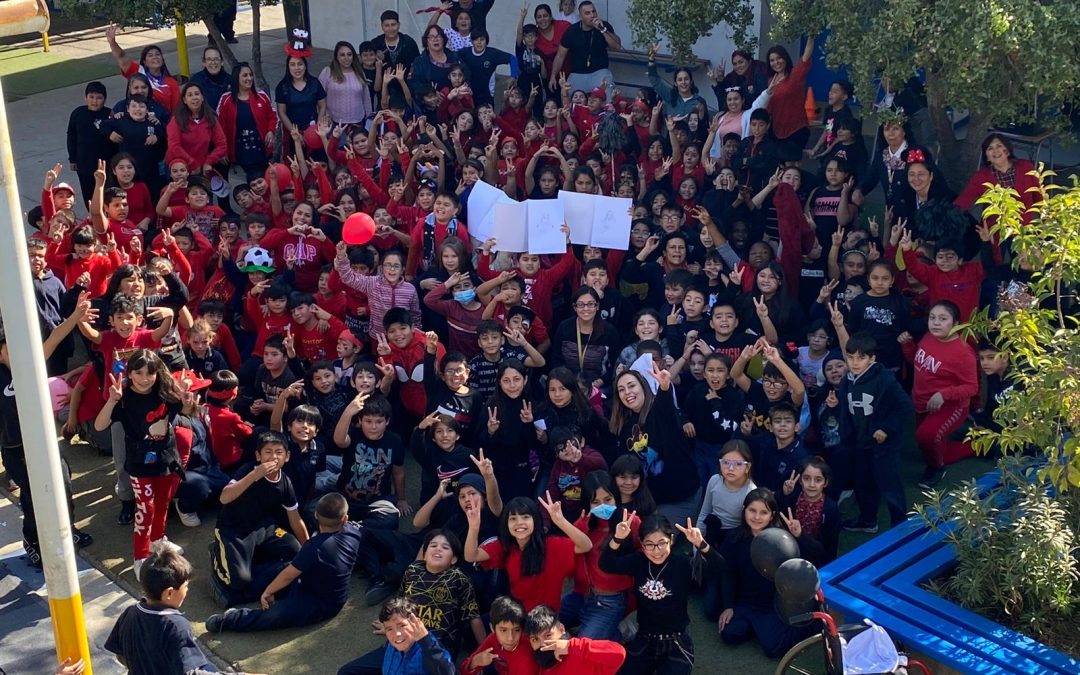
(232, 40)
(127, 513)
(379, 591)
(855, 525)
(80, 538)
(214, 623)
(932, 477)
(33, 556)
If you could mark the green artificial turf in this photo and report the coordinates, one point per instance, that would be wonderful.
(29, 71)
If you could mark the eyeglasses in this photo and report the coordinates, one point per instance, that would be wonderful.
(733, 463)
(212, 60)
(391, 266)
(455, 371)
(585, 305)
(773, 383)
(656, 546)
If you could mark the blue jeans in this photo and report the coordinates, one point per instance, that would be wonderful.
(706, 459)
(598, 615)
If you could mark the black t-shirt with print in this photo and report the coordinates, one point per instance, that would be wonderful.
(367, 466)
(149, 440)
(265, 500)
(10, 431)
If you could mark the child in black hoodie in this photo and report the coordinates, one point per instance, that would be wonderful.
(875, 411)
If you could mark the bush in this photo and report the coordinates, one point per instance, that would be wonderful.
(1015, 550)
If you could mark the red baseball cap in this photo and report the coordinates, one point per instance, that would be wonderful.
(64, 186)
(599, 93)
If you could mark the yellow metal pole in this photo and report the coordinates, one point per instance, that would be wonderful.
(45, 42)
(27, 361)
(181, 46)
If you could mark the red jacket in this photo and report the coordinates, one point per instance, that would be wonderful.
(228, 432)
(518, 662)
(262, 109)
(201, 144)
(947, 367)
(788, 103)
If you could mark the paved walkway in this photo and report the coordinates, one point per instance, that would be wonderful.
(26, 636)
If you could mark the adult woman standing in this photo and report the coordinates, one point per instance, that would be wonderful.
(432, 67)
(139, 85)
(746, 72)
(195, 136)
(212, 79)
(683, 98)
(789, 123)
(152, 65)
(642, 424)
(586, 344)
(248, 119)
(549, 32)
(887, 167)
(460, 36)
(735, 118)
(1000, 167)
(301, 99)
(348, 98)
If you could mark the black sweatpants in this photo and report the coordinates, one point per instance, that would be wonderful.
(244, 564)
(15, 462)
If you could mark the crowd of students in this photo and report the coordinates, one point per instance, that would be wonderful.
(619, 423)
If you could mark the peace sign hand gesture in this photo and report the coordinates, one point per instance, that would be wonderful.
(493, 420)
(382, 347)
(622, 529)
(792, 523)
(663, 377)
(116, 387)
(789, 484)
(428, 421)
(526, 412)
(553, 508)
(692, 534)
(483, 465)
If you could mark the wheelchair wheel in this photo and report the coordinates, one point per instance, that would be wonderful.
(806, 658)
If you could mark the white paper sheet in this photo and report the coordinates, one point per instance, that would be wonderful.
(545, 220)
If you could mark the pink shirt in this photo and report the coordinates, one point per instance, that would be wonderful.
(348, 102)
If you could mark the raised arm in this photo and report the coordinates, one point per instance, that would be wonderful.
(122, 59)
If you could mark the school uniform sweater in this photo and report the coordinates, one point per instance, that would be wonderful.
(200, 144)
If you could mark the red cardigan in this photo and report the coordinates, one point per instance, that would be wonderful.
(787, 105)
(262, 108)
(200, 145)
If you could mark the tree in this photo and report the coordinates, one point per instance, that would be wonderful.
(163, 13)
(684, 22)
(1038, 328)
(1003, 61)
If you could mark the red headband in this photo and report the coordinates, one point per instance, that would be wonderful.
(222, 395)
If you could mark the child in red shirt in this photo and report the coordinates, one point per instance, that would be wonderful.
(429, 233)
(109, 216)
(557, 652)
(198, 213)
(83, 259)
(503, 649)
(315, 331)
(946, 378)
(540, 283)
(275, 320)
(228, 432)
(949, 278)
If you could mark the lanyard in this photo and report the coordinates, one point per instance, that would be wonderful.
(580, 351)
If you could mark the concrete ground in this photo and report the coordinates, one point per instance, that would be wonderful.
(37, 126)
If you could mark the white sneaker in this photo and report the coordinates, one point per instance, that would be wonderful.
(187, 519)
(165, 543)
(844, 496)
(137, 568)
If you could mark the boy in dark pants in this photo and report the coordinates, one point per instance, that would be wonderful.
(250, 526)
(874, 411)
(321, 572)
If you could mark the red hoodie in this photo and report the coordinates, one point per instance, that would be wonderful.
(961, 286)
(408, 365)
(948, 367)
(518, 662)
(228, 432)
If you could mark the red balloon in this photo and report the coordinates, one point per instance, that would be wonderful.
(282, 174)
(358, 228)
